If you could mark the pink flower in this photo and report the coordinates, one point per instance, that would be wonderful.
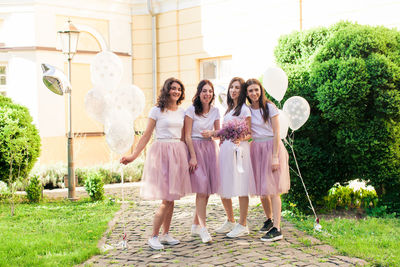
(233, 130)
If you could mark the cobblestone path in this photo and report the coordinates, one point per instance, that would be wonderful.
(296, 249)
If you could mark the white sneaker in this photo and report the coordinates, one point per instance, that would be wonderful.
(154, 243)
(226, 227)
(195, 229)
(238, 230)
(167, 238)
(205, 236)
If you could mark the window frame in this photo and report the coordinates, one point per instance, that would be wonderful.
(218, 60)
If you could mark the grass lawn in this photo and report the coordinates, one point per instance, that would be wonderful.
(376, 240)
(61, 233)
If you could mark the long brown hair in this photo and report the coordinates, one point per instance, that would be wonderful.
(241, 98)
(198, 106)
(262, 100)
(162, 100)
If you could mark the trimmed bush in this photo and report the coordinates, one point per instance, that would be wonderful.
(344, 197)
(34, 190)
(19, 141)
(94, 186)
(52, 176)
(350, 75)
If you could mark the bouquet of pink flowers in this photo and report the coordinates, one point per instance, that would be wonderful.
(233, 130)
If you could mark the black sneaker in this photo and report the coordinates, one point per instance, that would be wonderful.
(267, 226)
(272, 235)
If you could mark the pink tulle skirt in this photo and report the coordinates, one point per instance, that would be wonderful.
(166, 172)
(205, 179)
(269, 182)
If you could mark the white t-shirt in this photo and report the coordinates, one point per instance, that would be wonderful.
(244, 113)
(168, 123)
(259, 128)
(202, 122)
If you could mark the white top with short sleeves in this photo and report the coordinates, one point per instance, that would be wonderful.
(259, 128)
(168, 123)
(202, 122)
(244, 113)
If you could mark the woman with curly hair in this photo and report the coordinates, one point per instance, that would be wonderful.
(166, 171)
(200, 121)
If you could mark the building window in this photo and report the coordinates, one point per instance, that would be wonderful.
(217, 70)
(3, 79)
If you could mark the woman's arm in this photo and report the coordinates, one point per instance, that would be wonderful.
(248, 122)
(189, 143)
(277, 137)
(151, 124)
(212, 133)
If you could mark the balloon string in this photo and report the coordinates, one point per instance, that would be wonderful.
(299, 174)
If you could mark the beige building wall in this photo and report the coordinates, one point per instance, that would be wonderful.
(142, 62)
(90, 147)
(179, 49)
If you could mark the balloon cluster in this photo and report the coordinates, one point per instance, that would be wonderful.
(296, 109)
(113, 104)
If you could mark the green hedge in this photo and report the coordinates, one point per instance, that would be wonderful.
(19, 141)
(350, 75)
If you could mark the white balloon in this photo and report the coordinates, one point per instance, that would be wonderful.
(298, 111)
(283, 124)
(106, 69)
(119, 131)
(129, 97)
(96, 103)
(275, 82)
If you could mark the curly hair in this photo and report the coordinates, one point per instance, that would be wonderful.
(262, 101)
(198, 106)
(163, 98)
(241, 99)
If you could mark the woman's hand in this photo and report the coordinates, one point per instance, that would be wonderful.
(192, 165)
(236, 141)
(275, 163)
(207, 133)
(127, 159)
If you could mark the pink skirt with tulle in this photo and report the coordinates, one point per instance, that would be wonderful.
(205, 179)
(166, 172)
(269, 182)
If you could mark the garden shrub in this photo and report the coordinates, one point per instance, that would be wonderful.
(94, 186)
(350, 75)
(34, 190)
(345, 197)
(4, 191)
(19, 141)
(52, 176)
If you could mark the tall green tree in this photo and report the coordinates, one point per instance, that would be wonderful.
(350, 75)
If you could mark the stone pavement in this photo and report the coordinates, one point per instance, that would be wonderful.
(296, 249)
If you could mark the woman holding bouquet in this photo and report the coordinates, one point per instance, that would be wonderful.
(166, 170)
(235, 164)
(269, 158)
(200, 121)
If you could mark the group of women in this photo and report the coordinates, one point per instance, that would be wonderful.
(186, 159)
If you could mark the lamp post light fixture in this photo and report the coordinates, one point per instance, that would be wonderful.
(69, 41)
